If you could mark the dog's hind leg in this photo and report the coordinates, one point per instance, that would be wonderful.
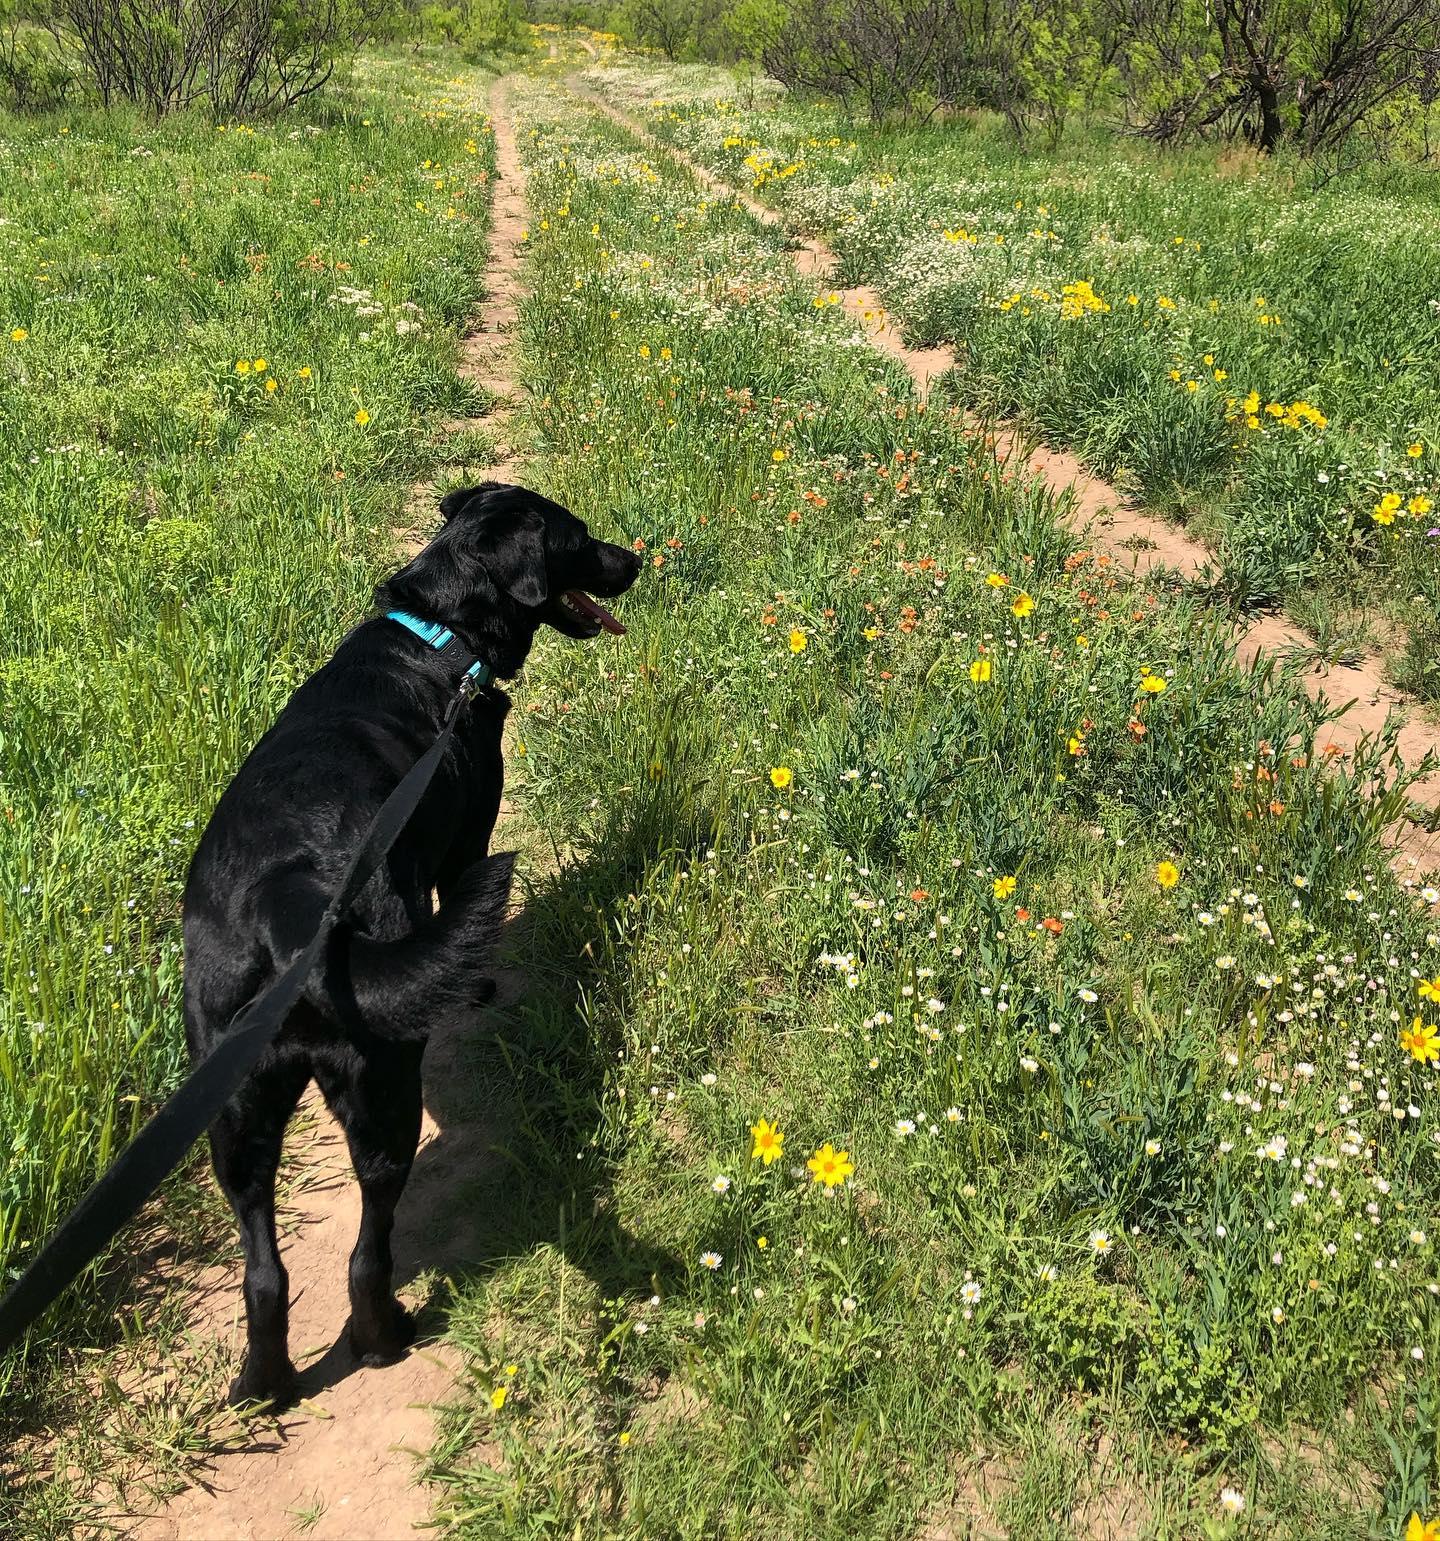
(245, 1143)
(377, 1102)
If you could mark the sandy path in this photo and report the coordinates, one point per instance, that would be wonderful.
(1135, 541)
(348, 1450)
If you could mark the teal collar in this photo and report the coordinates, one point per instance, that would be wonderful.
(442, 639)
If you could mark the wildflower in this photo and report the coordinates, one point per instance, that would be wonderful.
(1003, 887)
(362, 417)
(271, 387)
(781, 777)
(1088, 996)
(303, 372)
(497, 1397)
(1152, 1147)
(1385, 510)
(1419, 1041)
(1022, 606)
(242, 365)
(997, 580)
(829, 1166)
(720, 1185)
(19, 334)
(1152, 684)
(970, 1292)
(623, 1438)
(644, 350)
(1429, 989)
(260, 366)
(777, 455)
(904, 1126)
(769, 1142)
(711, 1260)
(1232, 1501)
(1419, 505)
(798, 640)
(1422, 1530)
(1100, 1242)
(980, 672)
(1415, 451)
(1167, 874)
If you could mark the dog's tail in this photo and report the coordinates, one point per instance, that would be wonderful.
(399, 989)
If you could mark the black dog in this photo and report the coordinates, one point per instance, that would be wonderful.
(277, 845)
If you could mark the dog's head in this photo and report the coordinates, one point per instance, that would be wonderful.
(506, 562)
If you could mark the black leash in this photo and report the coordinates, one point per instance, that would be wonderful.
(157, 1149)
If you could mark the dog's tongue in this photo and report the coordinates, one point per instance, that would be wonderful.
(587, 606)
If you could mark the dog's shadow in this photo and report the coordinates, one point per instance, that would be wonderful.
(513, 1091)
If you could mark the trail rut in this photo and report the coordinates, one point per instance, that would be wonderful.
(1136, 542)
(342, 1463)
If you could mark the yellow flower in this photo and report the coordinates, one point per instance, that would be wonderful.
(781, 777)
(666, 354)
(1421, 1530)
(1385, 510)
(1075, 744)
(644, 350)
(830, 1167)
(980, 672)
(798, 641)
(1419, 505)
(270, 386)
(303, 371)
(1419, 1041)
(1003, 887)
(871, 632)
(19, 334)
(769, 1142)
(1153, 684)
(1167, 874)
(242, 366)
(362, 417)
(497, 1398)
(1429, 989)
(777, 455)
(997, 580)
(260, 366)
(1023, 605)
(1415, 451)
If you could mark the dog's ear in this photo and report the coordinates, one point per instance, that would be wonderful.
(460, 497)
(510, 546)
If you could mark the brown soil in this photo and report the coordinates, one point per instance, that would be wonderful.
(1139, 542)
(348, 1449)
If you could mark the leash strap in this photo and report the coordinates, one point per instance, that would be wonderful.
(116, 1197)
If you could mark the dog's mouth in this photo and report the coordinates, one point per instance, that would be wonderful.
(579, 608)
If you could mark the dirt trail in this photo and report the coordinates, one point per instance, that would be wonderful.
(345, 1452)
(1136, 542)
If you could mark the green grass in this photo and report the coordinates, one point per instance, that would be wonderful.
(1144, 1188)
(225, 352)
(1136, 1167)
(1219, 276)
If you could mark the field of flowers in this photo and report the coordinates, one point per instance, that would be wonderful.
(976, 1068)
(1238, 349)
(220, 347)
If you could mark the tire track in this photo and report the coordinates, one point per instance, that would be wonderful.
(342, 1463)
(1136, 542)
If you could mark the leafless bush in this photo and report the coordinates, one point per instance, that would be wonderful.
(237, 56)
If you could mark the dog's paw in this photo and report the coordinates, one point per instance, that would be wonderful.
(483, 992)
(384, 1347)
(276, 1388)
